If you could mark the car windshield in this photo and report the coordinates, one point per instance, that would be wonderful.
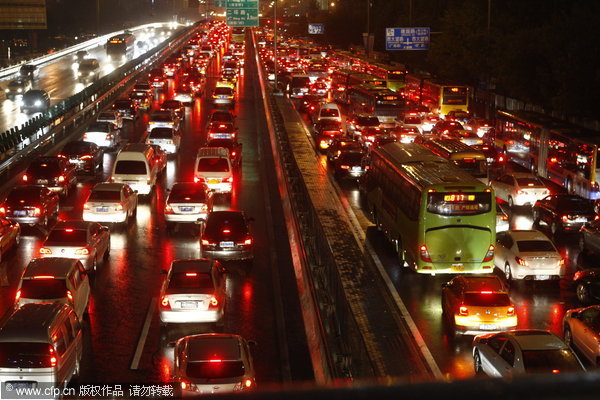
(130, 167)
(24, 355)
(487, 299)
(546, 361)
(207, 164)
(191, 280)
(105, 195)
(528, 246)
(161, 133)
(187, 193)
(67, 236)
(43, 289)
(524, 182)
(330, 112)
(76, 148)
(215, 370)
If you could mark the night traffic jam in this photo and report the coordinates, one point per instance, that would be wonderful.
(213, 207)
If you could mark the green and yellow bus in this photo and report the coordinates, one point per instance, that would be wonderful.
(394, 75)
(440, 218)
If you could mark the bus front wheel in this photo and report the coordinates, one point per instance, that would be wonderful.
(400, 252)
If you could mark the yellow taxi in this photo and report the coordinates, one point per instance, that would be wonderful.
(226, 83)
(476, 304)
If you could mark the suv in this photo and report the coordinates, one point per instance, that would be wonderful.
(35, 101)
(56, 173)
(215, 168)
(357, 123)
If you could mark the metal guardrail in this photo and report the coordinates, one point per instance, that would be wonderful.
(38, 134)
(47, 58)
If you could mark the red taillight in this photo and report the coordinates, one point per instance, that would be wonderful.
(462, 310)
(82, 252)
(490, 254)
(248, 383)
(344, 166)
(25, 178)
(61, 178)
(555, 371)
(205, 242)
(119, 207)
(510, 311)
(248, 241)
(18, 295)
(86, 206)
(565, 218)
(213, 302)
(486, 292)
(2, 210)
(553, 159)
(424, 253)
(108, 137)
(227, 180)
(70, 296)
(578, 275)
(37, 211)
(521, 261)
(45, 250)
(168, 209)
(86, 157)
(164, 302)
(53, 361)
(561, 262)
(196, 179)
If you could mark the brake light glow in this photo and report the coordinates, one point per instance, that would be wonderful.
(462, 310)
(53, 361)
(25, 178)
(226, 230)
(86, 206)
(486, 292)
(510, 311)
(86, 157)
(69, 230)
(215, 360)
(37, 211)
(345, 167)
(18, 295)
(2, 210)
(248, 383)
(205, 242)
(69, 295)
(164, 302)
(561, 262)
(43, 277)
(44, 250)
(82, 252)
(213, 302)
(578, 275)
(227, 180)
(424, 253)
(119, 207)
(248, 241)
(61, 178)
(191, 274)
(521, 261)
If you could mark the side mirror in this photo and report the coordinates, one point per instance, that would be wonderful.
(105, 229)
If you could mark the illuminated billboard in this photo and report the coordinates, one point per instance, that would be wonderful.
(22, 14)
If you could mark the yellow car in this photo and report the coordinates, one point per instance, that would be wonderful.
(476, 304)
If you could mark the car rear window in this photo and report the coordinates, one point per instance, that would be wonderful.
(67, 236)
(76, 148)
(207, 164)
(221, 117)
(367, 121)
(28, 195)
(130, 167)
(527, 246)
(161, 133)
(523, 182)
(330, 112)
(43, 289)
(487, 299)
(191, 280)
(546, 361)
(192, 193)
(105, 195)
(47, 169)
(24, 355)
(161, 117)
(215, 370)
(218, 221)
(223, 91)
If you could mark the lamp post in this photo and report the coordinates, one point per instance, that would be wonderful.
(275, 47)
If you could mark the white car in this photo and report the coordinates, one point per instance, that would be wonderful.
(193, 292)
(55, 280)
(527, 254)
(524, 351)
(213, 363)
(502, 222)
(103, 134)
(520, 189)
(411, 121)
(111, 202)
(167, 139)
(188, 202)
(112, 116)
(88, 242)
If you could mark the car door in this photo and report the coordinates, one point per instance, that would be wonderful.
(499, 187)
(490, 354)
(506, 360)
(500, 250)
(587, 342)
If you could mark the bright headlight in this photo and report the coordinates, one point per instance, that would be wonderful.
(19, 90)
(6, 90)
(37, 103)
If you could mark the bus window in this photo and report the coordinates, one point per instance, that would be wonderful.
(460, 203)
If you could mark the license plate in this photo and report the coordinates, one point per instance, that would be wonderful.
(488, 327)
(76, 161)
(221, 135)
(101, 209)
(542, 277)
(356, 169)
(42, 181)
(490, 160)
(19, 213)
(189, 304)
(186, 209)
(580, 219)
(213, 181)
(458, 267)
(226, 244)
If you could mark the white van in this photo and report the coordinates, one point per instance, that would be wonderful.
(39, 343)
(215, 168)
(135, 165)
(328, 112)
(55, 280)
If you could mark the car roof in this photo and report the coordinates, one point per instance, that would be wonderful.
(537, 339)
(483, 282)
(528, 235)
(202, 265)
(35, 319)
(213, 346)
(58, 267)
(109, 187)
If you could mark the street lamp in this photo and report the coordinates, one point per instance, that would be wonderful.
(275, 47)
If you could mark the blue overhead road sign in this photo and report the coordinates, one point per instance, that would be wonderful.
(407, 38)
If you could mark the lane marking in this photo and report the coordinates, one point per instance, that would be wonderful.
(143, 335)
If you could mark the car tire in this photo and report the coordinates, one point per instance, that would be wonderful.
(400, 256)
(477, 362)
(583, 293)
(508, 273)
(554, 228)
(568, 336)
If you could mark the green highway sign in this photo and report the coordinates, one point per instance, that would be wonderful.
(242, 13)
